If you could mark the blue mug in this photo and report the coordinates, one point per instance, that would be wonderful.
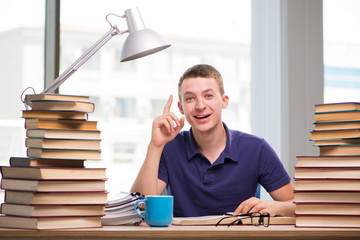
(158, 210)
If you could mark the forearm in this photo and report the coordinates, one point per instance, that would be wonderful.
(147, 180)
(284, 200)
(285, 208)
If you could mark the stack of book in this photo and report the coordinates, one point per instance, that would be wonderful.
(51, 188)
(327, 187)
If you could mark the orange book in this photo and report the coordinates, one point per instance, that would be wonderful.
(60, 124)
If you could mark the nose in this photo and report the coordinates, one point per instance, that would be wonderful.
(200, 104)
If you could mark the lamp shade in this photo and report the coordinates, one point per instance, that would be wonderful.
(141, 40)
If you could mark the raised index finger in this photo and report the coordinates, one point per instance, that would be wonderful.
(168, 104)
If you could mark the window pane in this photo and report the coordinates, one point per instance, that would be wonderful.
(125, 107)
(131, 94)
(21, 66)
(341, 51)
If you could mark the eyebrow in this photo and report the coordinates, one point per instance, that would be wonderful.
(205, 91)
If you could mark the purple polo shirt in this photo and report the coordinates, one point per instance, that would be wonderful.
(201, 188)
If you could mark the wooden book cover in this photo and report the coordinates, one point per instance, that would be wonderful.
(51, 96)
(62, 143)
(321, 126)
(327, 184)
(47, 223)
(335, 134)
(327, 208)
(52, 210)
(328, 161)
(327, 196)
(64, 153)
(52, 185)
(62, 105)
(350, 150)
(43, 162)
(353, 115)
(336, 221)
(33, 123)
(53, 173)
(341, 106)
(55, 198)
(54, 114)
(63, 134)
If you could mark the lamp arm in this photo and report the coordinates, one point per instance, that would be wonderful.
(82, 59)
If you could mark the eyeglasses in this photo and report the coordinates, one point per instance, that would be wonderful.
(257, 219)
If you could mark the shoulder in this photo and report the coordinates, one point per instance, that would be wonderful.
(241, 137)
(248, 143)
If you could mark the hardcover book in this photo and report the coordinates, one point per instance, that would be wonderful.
(304, 184)
(327, 196)
(353, 115)
(328, 161)
(53, 173)
(52, 185)
(34, 123)
(54, 114)
(52, 210)
(327, 173)
(345, 221)
(349, 150)
(43, 162)
(341, 106)
(63, 105)
(62, 143)
(320, 126)
(51, 96)
(328, 208)
(64, 153)
(56, 198)
(43, 223)
(63, 134)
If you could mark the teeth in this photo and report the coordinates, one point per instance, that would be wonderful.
(201, 117)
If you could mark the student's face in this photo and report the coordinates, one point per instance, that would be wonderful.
(202, 103)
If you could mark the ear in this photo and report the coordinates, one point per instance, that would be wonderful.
(180, 108)
(225, 100)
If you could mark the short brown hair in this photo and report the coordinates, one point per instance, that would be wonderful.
(202, 70)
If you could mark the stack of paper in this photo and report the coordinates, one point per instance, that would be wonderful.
(121, 210)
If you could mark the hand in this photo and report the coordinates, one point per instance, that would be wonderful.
(257, 205)
(166, 127)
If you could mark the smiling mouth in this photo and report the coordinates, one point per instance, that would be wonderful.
(202, 117)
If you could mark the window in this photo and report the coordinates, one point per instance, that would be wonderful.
(341, 51)
(93, 63)
(133, 93)
(127, 95)
(125, 107)
(124, 152)
(157, 107)
(21, 66)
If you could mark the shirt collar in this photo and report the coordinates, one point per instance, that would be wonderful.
(228, 153)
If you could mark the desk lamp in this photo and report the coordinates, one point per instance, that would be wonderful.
(140, 42)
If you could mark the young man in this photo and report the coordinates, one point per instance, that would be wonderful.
(210, 169)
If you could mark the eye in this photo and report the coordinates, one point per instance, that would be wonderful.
(187, 99)
(209, 95)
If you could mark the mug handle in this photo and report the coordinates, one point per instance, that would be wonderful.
(135, 207)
